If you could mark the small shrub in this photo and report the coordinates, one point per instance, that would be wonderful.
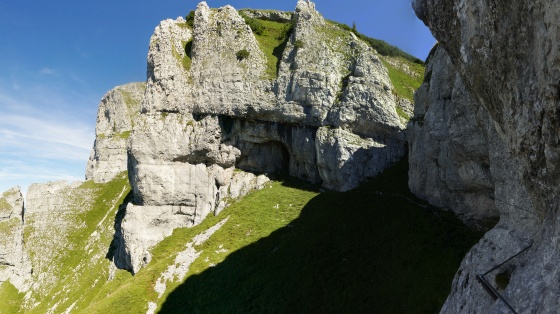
(242, 54)
(190, 19)
(255, 25)
(286, 31)
(299, 44)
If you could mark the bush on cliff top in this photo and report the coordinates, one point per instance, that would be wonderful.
(382, 47)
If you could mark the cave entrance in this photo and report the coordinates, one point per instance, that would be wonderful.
(268, 157)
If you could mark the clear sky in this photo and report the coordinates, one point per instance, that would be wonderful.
(58, 58)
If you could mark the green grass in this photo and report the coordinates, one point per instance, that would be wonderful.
(402, 114)
(186, 61)
(81, 272)
(373, 249)
(11, 299)
(4, 206)
(359, 252)
(122, 135)
(272, 42)
(7, 229)
(128, 99)
(405, 85)
(185, 57)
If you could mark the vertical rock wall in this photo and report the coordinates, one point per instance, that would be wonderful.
(506, 54)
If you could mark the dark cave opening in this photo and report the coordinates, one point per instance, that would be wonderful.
(267, 157)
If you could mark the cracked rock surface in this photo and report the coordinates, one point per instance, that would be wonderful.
(506, 55)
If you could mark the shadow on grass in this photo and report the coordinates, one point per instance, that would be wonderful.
(375, 249)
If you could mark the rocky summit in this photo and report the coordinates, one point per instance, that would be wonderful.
(116, 114)
(323, 111)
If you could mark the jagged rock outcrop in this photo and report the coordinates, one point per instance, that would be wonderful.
(115, 117)
(14, 261)
(327, 116)
(506, 55)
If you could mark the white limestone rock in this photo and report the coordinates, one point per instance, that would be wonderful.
(115, 117)
(15, 266)
(166, 71)
(275, 16)
(343, 158)
(448, 145)
(206, 112)
(145, 226)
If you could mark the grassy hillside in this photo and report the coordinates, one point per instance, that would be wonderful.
(68, 248)
(286, 248)
(406, 76)
(372, 250)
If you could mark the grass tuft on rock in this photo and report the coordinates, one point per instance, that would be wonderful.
(272, 38)
(406, 76)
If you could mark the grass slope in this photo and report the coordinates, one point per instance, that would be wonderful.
(10, 299)
(286, 248)
(405, 84)
(272, 38)
(369, 250)
(79, 267)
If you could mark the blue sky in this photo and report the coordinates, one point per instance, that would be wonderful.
(59, 57)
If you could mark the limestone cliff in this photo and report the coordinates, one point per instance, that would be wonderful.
(115, 117)
(14, 260)
(505, 55)
(324, 112)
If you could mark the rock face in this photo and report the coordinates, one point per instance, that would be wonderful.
(449, 146)
(59, 242)
(115, 118)
(506, 55)
(327, 115)
(14, 261)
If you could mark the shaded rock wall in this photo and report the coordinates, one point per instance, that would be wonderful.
(449, 146)
(506, 56)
